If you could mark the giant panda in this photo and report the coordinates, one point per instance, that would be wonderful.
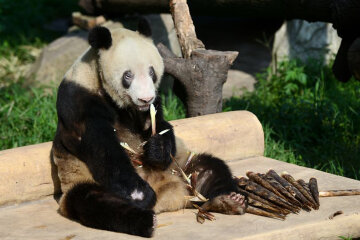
(103, 100)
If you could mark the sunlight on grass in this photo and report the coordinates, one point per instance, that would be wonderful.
(307, 112)
(315, 124)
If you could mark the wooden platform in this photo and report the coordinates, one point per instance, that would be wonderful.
(28, 208)
(39, 219)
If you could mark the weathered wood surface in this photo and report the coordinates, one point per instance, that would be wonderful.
(39, 220)
(203, 76)
(26, 172)
(185, 28)
(202, 72)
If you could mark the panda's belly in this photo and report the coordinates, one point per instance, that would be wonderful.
(132, 139)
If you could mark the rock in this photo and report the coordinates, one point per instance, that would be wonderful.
(237, 82)
(301, 39)
(60, 54)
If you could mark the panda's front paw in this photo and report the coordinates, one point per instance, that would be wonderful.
(157, 152)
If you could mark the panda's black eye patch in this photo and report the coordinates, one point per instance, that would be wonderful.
(152, 74)
(127, 78)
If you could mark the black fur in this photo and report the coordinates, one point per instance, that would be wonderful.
(86, 130)
(215, 177)
(153, 74)
(158, 148)
(144, 27)
(100, 38)
(82, 114)
(94, 207)
(126, 79)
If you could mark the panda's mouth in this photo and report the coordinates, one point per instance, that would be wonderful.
(144, 107)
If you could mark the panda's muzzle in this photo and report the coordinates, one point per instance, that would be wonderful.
(146, 100)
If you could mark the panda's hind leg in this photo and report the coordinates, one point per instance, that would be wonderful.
(214, 181)
(170, 191)
(90, 205)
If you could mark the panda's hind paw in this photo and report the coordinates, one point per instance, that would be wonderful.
(232, 204)
(237, 197)
(146, 224)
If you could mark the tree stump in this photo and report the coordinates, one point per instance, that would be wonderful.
(203, 75)
(202, 72)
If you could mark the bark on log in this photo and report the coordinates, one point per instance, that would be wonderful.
(202, 75)
(202, 72)
(185, 28)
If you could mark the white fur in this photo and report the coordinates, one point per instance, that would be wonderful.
(137, 195)
(84, 71)
(129, 51)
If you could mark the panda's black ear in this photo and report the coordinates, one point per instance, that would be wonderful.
(100, 38)
(144, 27)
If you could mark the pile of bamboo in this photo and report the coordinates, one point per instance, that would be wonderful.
(275, 196)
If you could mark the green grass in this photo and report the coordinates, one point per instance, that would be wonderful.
(173, 108)
(309, 117)
(27, 116)
(22, 23)
(348, 238)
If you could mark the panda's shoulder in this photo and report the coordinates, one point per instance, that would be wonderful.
(84, 71)
(75, 99)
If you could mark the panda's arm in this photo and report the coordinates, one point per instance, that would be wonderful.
(159, 147)
(97, 145)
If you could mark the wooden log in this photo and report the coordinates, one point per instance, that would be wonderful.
(268, 195)
(203, 76)
(256, 178)
(319, 10)
(310, 201)
(263, 213)
(185, 28)
(264, 201)
(293, 190)
(336, 193)
(314, 189)
(307, 189)
(87, 22)
(282, 190)
(258, 204)
(202, 72)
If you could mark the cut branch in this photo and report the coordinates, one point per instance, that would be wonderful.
(336, 193)
(185, 28)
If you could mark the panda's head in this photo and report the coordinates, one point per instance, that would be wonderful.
(129, 64)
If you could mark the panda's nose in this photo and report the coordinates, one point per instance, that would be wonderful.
(146, 99)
